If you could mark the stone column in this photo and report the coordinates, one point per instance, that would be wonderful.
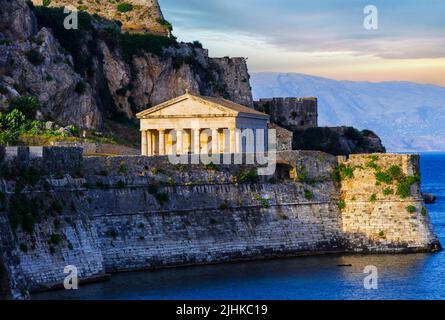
(238, 140)
(179, 141)
(144, 143)
(149, 143)
(161, 142)
(232, 141)
(215, 136)
(196, 141)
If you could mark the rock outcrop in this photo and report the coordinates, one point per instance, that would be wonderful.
(32, 63)
(99, 73)
(338, 140)
(135, 15)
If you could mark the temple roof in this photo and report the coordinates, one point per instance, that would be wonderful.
(219, 103)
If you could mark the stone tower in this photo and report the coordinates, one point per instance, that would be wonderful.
(136, 16)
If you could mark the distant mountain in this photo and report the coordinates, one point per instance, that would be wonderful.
(407, 116)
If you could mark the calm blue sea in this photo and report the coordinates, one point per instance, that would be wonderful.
(414, 276)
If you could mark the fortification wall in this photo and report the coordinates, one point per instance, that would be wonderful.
(294, 113)
(383, 207)
(132, 213)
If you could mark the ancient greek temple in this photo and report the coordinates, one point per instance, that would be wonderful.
(193, 124)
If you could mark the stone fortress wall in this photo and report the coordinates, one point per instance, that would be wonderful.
(293, 113)
(111, 214)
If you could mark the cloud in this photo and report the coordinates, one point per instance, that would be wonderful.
(408, 29)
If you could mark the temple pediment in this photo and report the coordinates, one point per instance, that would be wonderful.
(190, 105)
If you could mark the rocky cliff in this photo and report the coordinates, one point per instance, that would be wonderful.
(139, 16)
(99, 74)
(337, 140)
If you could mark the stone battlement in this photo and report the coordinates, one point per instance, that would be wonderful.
(294, 113)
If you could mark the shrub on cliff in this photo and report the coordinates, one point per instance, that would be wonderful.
(138, 44)
(250, 175)
(342, 204)
(81, 87)
(167, 25)
(22, 212)
(342, 172)
(124, 7)
(34, 57)
(404, 186)
(27, 105)
(162, 197)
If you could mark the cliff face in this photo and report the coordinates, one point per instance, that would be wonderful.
(135, 15)
(97, 74)
(31, 63)
(106, 214)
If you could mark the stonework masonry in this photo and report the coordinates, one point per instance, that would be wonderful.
(303, 111)
(112, 214)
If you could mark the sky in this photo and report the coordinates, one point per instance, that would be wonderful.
(320, 37)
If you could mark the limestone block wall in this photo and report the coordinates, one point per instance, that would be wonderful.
(382, 208)
(110, 214)
(210, 224)
(295, 113)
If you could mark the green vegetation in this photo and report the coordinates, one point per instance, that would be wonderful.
(388, 191)
(342, 204)
(24, 247)
(137, 44)
(411, 209)
(382, 234)
(167, 25)
(80, 87)
(112, 233)
(224, 206)
(46, 3)
(404, 186)
(393, 173)
(308, 194)
(120, 184)
(301, 173)
(373, 198)
(210, 166)
(18, 124)
(152, 188)
(23, 212)
(124, 7)
(122, 168)
(424, 212)
(373, 165)
(55, 239)
(197, 45)
(34, 57)
(264, 203)
(250, 175)
(343, 172)
(162, 197)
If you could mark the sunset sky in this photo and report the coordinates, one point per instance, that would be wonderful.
(320, 37)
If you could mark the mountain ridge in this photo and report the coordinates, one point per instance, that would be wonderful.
(415, 111)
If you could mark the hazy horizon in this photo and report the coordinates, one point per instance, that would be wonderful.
(325, 39)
